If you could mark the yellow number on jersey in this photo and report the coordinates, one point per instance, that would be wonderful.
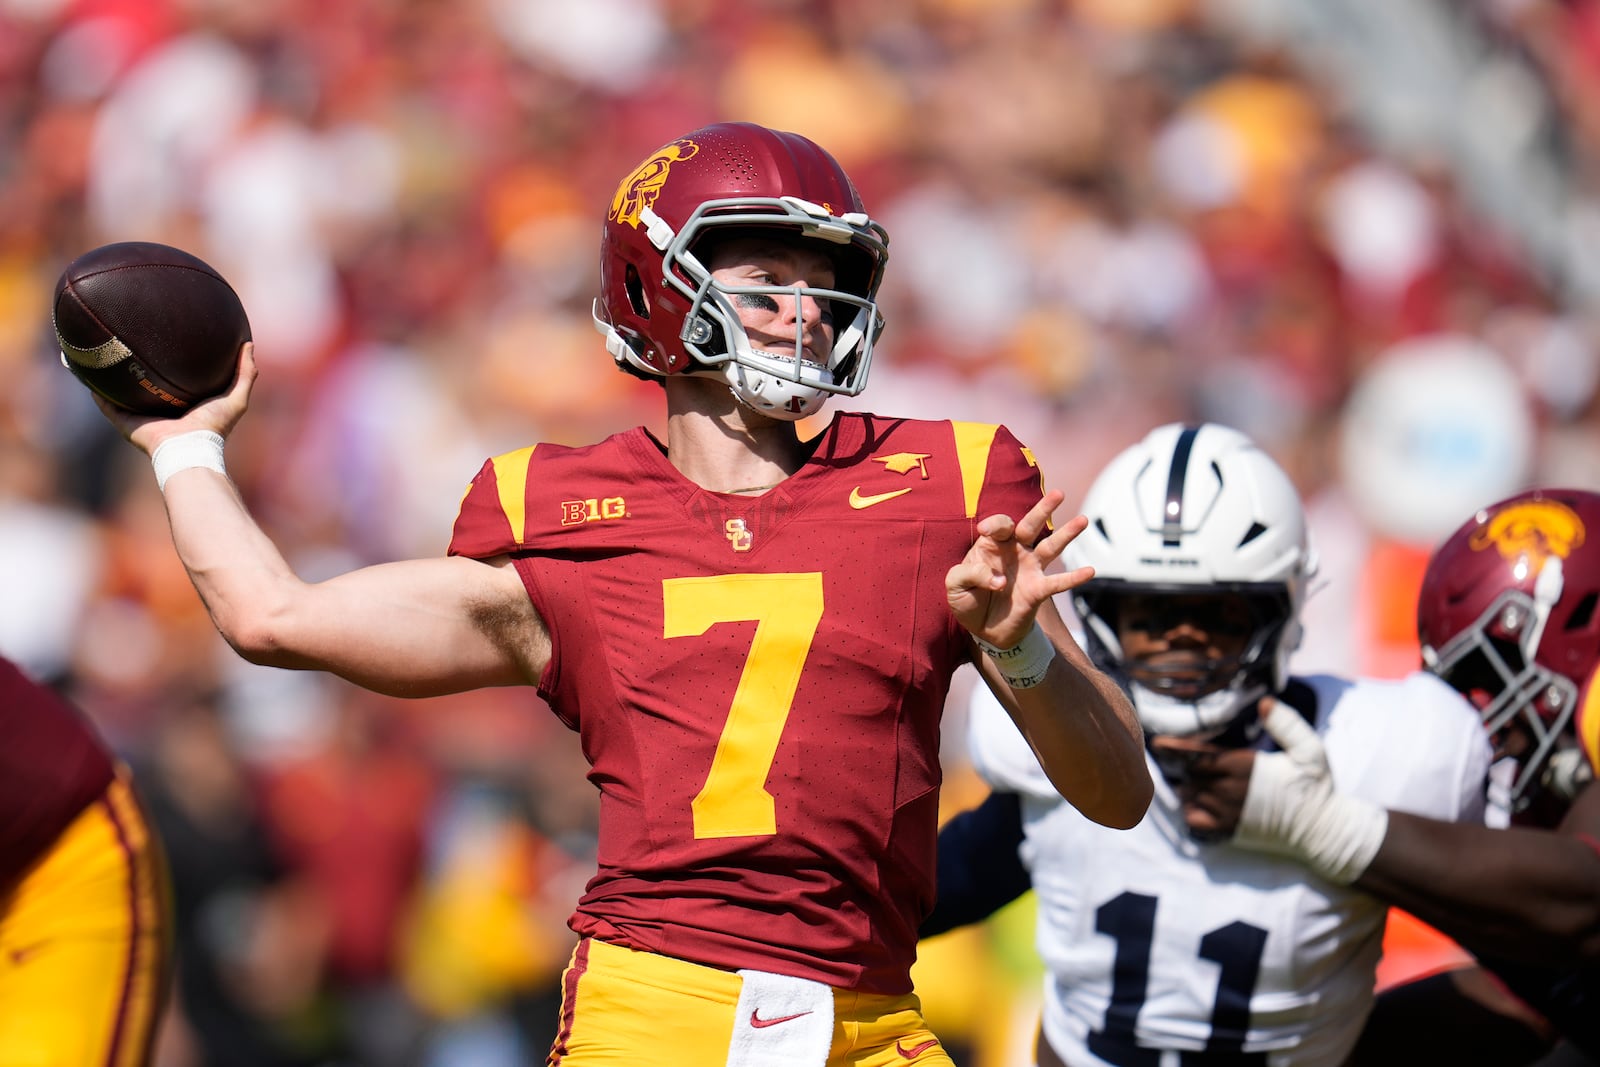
(786, 609)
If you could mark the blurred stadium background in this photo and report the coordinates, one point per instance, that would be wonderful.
(1367, 232)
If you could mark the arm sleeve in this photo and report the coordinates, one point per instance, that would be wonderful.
(980, 870)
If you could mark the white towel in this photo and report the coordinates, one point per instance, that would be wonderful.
(781, 1022)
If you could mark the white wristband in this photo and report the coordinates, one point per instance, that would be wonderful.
(198, 448)
(1025, 665)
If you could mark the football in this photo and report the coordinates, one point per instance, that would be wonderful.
(149, 327)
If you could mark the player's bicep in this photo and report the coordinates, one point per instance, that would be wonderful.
(421, 627)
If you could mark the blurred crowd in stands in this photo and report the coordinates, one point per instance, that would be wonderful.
(1105, 215)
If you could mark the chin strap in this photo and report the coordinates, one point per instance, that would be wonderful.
(617, 346)
(1291, 808)
(1206, 717)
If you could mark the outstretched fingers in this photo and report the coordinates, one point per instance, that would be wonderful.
(1034, 524)
(1050, 548)
(1007, 568)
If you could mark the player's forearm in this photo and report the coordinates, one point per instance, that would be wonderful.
(1087, 736)
(412, 628)
(241, 576)
(1530, 895)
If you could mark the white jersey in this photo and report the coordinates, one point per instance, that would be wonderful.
(1154, 941)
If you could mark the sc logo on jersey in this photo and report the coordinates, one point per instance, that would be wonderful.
(595, 509)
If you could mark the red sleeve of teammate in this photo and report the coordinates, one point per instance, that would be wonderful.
(52, 765)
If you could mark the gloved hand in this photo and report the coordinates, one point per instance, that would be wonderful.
(1292, 808)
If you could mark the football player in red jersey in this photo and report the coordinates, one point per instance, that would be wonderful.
(84, 902)
(1509, 614)
(753, 633)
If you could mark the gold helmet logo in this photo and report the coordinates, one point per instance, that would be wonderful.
(1532, 531)
(640, 189)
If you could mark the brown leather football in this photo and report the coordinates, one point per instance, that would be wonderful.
(149, 327)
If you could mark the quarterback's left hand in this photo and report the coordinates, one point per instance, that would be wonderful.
(996, 590)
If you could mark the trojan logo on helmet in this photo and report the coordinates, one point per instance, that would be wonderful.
(640, 189)
(1531, 532)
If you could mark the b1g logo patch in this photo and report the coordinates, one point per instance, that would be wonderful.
(595, 509)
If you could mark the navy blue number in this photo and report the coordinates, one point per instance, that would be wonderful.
(1129, 919)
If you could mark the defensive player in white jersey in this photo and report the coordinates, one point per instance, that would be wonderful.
(1163, 949)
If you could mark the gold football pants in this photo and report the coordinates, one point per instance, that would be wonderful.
(621, 1008)
(84, 945)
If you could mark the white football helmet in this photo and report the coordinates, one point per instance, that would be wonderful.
(1195, 510)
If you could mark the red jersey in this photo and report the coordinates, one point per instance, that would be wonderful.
(758, 681)
(52, 766)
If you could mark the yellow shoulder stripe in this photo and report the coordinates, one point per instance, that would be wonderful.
(511, 481)
(973, 441)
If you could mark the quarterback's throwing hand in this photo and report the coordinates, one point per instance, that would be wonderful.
(218, 415)
(996, 590)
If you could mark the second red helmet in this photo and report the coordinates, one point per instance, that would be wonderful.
(1507, 615)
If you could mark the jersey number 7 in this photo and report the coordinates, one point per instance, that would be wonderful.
(786, 609)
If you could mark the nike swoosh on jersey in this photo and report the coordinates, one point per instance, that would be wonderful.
(761, 1024)
(916, 1050)
(858, 501)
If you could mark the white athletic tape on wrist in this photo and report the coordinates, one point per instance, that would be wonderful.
(1291, 808)
(198, 448)
(1025, 665)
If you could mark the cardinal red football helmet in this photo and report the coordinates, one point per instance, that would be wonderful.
(1507, 615)
(659, 308)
